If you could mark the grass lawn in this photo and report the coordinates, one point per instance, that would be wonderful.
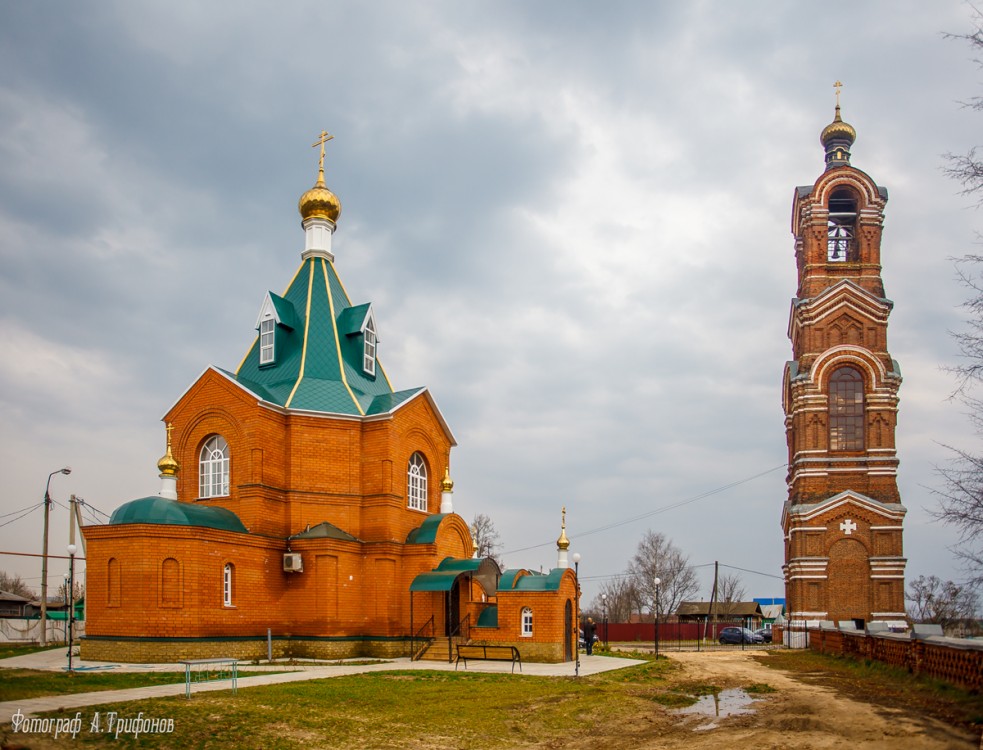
(30, 683)
(15, 649)
(428, 710)
(402, 709)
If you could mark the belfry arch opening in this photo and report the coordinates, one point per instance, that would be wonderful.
(841, 244)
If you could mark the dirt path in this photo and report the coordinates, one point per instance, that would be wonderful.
(798, 715)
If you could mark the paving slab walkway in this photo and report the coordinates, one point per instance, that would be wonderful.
(55, 660)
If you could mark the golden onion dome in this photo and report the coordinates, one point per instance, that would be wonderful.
(447, 484)
(167, 464)
(563, 543)
(838, 130)
(319, 202)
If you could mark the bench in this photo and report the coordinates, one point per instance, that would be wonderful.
(210, 670)
(488, 653)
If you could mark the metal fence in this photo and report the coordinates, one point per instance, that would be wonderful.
(703, 634)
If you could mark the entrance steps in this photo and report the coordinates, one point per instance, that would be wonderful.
(442, 649)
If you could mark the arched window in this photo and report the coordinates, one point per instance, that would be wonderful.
(526, 622)
(416, 483)
(841, 244)
(228, 582)
(213, 475)
(846, 410)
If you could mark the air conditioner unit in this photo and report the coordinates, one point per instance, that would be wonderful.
(293, 562)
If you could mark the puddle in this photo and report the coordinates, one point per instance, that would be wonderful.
(732, 702)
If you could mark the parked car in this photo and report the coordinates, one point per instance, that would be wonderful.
(765, 634)
(739, 635)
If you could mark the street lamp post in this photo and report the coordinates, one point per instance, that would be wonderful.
(604, 607)
(70, 601)
(44, 556)
(657, 582)
(576, 610)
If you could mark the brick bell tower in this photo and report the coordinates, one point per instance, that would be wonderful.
(843, 518)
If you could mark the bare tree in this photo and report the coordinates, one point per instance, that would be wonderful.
(960, 495)
(622, 599)
(730, 588)
(486, 537)
(658, 557)
(14, 584)
(967, 169)
(943, 602)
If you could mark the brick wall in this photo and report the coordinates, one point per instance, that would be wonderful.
(957, 661)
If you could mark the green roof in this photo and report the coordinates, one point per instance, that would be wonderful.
(318, 356)
(426, 533)
(325, 530)
(532, 581)
(488, 617)
(483, 570)
(161, 511)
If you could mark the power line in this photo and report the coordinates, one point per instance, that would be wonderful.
(663, 509)
(22, 515)
(12, 513)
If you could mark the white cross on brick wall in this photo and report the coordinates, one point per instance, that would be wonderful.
(848, 527)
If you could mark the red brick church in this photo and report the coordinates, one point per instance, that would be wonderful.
(843, 517)
(306, 501)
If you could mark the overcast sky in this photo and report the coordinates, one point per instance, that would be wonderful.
(573, 220)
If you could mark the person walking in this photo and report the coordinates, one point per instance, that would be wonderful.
(590, 630)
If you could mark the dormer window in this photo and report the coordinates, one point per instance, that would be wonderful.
(267, 341)
(369, 345)
(276, 319)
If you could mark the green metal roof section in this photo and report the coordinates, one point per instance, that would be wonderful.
(450, 569)
(285, 311)
(532, 581)
(325, 530)
(318, 362)
(426, 532)
(161, 511)
(460, 564)
(488, 617)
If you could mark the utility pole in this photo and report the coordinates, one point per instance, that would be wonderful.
(44, 556)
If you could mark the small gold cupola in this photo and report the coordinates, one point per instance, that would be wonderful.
(447, 492)
(837, 137)
(319, 202)
(563, 543)
(447, 484)
(169, 468)
(167, 464)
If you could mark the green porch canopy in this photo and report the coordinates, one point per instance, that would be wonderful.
(485, 571)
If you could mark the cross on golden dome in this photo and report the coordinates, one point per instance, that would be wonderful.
(322, 139)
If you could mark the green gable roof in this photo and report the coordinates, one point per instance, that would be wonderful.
(161, 511)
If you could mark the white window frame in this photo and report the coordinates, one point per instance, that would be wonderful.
(228, 578)
(267, 341)
(213, 468)
(416, 483)
(370, 342)
(527, 622)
